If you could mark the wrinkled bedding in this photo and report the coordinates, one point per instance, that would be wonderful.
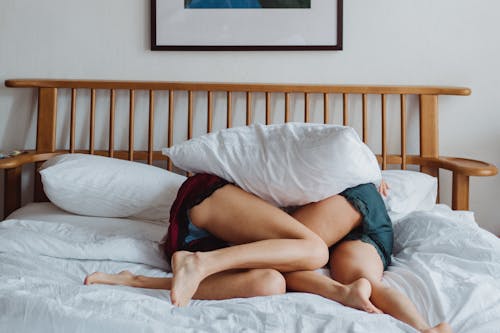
(442, 260)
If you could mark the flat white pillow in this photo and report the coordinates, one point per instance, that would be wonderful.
(108, 187)
(409, 191)
(286, 164)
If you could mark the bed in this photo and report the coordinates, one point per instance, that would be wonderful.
(445, 263)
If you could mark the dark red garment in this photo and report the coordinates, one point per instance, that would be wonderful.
(191, 193)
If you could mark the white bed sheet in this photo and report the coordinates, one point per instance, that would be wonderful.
(48, 212)
(447, 265)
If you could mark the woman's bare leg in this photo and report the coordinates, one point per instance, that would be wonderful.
(331, 219)
(351, 260)
(352, 263)
(223, 285)
(266, 236)
(355, 295)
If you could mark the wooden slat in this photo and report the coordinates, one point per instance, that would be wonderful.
(151, 126)
(345, 108)
(326, 109)
(190, 115)
(47, 118)
(111, 145)
(287, 107)
(92, 122)
(306, 108)
(248, 108)
(229, 110)
(252, 87)
(268, 108)
(170, 124)
(131, 125)
(429, 130)
(403, 131)
(384, 131)
(209, 111)
(365, 118)
(72, 121)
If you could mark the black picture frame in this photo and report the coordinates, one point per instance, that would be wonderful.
(159, 33)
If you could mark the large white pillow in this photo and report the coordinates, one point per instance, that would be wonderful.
(286, 164)
(409, 191)
(108, 187)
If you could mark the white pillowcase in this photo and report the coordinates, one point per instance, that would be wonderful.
(409, 191)
(108, 187)
(286, 164)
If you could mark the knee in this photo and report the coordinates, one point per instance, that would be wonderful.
(198, 215)
(317, 254)
(353, 260)
(266, 282)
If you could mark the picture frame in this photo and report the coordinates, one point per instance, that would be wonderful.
(176, 27)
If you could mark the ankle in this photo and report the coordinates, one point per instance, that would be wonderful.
(339, 293)
(135, 281)
(204, 263)
(198, 262)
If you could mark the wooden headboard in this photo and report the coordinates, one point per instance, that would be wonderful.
(276, 103)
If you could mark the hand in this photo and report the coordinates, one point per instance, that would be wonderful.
(383, 189)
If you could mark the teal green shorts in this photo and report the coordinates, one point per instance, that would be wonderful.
(376, 226)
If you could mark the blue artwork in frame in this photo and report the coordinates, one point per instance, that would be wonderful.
(246, 25)
(247, 3)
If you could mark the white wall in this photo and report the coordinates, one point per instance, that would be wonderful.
(447, 42)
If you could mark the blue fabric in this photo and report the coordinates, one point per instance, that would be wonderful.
(224, 4)
(194, 233)
(376, 227)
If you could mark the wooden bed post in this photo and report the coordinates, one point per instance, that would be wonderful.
(12, 199)
(429, 131)
(46, 132)
(460, 192)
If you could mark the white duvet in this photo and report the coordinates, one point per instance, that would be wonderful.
(442, 260)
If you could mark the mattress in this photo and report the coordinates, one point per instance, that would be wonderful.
(445, 263)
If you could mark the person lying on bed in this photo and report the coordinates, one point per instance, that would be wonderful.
(223, 242)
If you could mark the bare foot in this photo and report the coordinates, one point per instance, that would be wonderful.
(188, 273)
(123, 278)
(441, 328)
(358, 296)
